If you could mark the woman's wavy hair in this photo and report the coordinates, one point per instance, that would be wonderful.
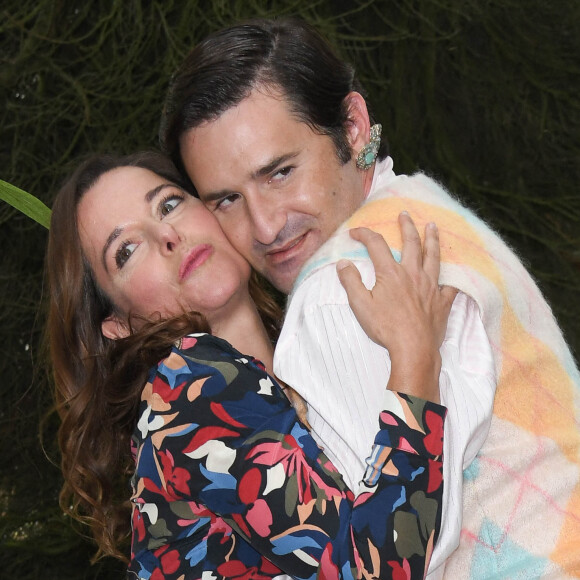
(98, 381)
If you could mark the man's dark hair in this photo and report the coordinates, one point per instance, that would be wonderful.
(284, 55)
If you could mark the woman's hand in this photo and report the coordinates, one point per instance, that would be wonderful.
(406, 311)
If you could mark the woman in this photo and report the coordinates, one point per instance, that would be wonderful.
(225, 479)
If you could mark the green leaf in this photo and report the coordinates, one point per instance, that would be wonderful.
(26, 203)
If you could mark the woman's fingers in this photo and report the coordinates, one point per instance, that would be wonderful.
(417, 258)
(350, 279)
(406, 311)
(377, 247)
(361, 300)
(412, 252)
(432, 253)
(414, 256)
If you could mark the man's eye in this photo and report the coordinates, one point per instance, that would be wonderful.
(227, 201)
(281, 174)
(169, 204)
(124, 252)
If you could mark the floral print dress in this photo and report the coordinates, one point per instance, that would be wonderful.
(229, 484)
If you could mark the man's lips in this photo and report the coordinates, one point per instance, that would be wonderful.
(287, 252)
(194, 259)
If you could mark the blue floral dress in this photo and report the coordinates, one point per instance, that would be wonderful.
(229, 484)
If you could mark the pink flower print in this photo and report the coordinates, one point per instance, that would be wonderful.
(258, 516)
(328, 569)
(188, 342)
(290, 456)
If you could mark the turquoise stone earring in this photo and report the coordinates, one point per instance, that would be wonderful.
(368, 154)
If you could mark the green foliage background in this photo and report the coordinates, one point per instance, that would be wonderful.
(484, 95)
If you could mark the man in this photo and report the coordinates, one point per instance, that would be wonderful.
(274, 132)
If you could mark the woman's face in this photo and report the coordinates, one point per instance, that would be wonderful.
(154, 248)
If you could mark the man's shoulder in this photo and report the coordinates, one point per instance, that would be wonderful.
(319, 273)
(378, 212)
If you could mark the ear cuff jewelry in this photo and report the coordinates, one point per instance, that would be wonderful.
(368, 154)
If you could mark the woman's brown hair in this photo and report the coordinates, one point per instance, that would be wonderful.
(98, 381)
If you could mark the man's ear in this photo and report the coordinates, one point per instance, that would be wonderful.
(114, 328)
(358, 124)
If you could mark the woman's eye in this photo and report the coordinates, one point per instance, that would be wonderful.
(168, 205)
(124, 252)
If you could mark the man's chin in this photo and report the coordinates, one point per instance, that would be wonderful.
(282, 281)
(282, 271)
(283, 276)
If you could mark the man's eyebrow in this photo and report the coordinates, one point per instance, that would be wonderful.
(261, 172)
(149, 197)
(273, 164)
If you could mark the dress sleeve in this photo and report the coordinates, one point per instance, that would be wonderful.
(216, 433)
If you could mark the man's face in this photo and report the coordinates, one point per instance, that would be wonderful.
(277, 188)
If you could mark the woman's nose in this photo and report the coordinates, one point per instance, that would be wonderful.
(169, 239)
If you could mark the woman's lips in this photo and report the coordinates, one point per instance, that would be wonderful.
(194, 259)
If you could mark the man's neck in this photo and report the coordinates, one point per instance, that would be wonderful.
(368, 180)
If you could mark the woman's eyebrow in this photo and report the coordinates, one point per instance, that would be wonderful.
(112, 237)
(152, 193)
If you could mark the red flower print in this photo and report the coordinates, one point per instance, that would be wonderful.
(161, 388)
(400, 572)
(176, 478)
(206, 434)
(435, 475)
(169, 563)
(138, 523)
(434, 437)
(219, 411)
(236, 570)
(249, 486)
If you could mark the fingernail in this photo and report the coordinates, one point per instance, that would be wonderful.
(432, 225)
(342, 264)
(404, 212)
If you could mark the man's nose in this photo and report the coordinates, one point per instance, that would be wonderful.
(267, 220)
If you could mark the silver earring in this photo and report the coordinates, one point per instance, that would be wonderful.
(368, 154)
